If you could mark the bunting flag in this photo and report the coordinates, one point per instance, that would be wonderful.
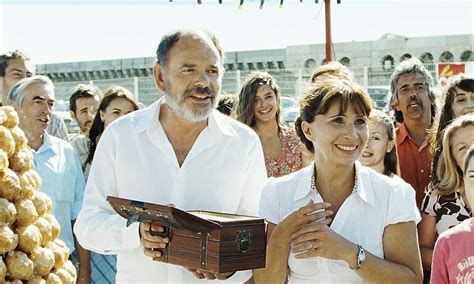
(262, 2)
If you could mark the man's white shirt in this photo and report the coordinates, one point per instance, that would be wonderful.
(224, 172)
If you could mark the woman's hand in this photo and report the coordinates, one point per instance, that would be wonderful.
(318, 239)
(298, 219)
(279, 238)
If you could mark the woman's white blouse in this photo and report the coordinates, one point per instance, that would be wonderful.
(376, 202)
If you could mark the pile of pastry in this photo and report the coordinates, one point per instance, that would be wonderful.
(30, 250)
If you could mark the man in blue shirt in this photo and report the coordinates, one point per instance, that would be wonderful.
(54, 158)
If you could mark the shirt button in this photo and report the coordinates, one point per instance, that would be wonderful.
(422, 171)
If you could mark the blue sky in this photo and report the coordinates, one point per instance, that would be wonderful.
(66, 31)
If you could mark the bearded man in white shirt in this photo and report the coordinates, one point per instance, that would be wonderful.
(179, 150)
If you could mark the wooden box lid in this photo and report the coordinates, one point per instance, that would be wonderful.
(170, 216)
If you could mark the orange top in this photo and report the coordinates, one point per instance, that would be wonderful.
(415, 162)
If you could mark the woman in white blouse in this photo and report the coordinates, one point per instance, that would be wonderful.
(336, 220)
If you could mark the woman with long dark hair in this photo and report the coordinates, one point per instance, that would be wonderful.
(457, 99)
(259, 108)
(117, 102)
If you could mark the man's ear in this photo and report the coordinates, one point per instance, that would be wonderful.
(73, 115)
(158, 76)
(308, 133)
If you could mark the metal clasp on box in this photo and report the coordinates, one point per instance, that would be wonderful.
(243, 240)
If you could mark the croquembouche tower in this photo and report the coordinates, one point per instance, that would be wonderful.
(30, 250)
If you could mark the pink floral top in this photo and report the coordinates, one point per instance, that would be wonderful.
(290, 158)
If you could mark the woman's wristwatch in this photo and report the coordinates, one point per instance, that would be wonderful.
(360, 257)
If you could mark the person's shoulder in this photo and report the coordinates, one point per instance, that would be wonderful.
(382, 183)
(124, 125)
(370, 174)
(56, 117)
(239, 128)
(290, 181)
(132, 117)
(464, 228)
(288, 132)
(79, 139)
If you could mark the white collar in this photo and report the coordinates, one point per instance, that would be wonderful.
(47, 144)
(362, 187)
(146, 117)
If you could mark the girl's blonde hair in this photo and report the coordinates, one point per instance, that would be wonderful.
(449, 173)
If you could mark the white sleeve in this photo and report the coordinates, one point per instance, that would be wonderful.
(402, 205)
(255, 177)
(98, 227)
(270, 203)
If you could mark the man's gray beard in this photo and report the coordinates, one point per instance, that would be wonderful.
(181, 110)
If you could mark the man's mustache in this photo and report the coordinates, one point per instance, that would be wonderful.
(201, 91)
(414, 100)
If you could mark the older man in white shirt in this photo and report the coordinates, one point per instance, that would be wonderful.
(179, 150)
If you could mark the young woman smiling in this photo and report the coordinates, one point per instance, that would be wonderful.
(380, 152)
(259, 108)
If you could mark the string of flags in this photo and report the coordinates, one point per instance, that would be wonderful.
(241, 2)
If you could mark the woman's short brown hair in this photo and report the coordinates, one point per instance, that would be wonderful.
(319, 97)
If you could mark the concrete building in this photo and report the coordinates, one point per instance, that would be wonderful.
(371, 61)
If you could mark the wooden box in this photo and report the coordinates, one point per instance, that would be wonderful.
(212, 241)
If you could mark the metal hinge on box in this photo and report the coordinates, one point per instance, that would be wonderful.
(203, 254)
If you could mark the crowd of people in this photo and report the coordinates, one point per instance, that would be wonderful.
(350, 193)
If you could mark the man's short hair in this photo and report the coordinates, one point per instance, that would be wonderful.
(17, 93)
(4, 58)
(410, 66)
(83, 91)
(168, 40)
